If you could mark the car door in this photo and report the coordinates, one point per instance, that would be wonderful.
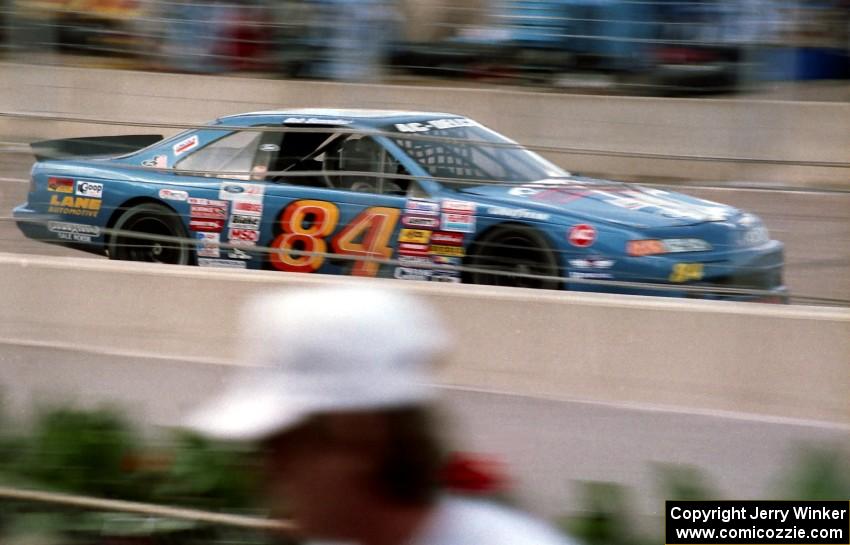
(332, 204)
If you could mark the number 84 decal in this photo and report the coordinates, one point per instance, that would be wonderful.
(305, 226)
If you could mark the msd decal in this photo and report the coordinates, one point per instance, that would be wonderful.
(582, 235)
(244, 237)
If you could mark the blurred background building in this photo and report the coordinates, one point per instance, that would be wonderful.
(656, 47)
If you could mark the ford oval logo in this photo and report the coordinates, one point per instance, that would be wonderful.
(234, 189)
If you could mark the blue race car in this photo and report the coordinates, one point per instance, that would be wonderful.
(410, 195)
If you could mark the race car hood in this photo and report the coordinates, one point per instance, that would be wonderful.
(611, 202)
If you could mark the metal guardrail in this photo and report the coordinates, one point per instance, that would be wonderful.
(194, 515)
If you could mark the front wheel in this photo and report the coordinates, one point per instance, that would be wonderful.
(140, 233)
(513, 255)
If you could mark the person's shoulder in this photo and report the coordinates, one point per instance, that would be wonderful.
(474, 522)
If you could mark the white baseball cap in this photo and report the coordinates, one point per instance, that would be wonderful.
(325, 350)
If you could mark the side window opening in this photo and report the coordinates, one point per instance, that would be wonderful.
(357, 154)
(234, 153)
(348, 162)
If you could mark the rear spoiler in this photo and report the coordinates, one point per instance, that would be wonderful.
(92, 146)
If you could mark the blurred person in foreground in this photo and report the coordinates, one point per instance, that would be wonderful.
(340, 399)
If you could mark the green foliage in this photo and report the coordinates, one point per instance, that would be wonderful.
(82, 452)
(99, 453)
(682, 483)
(605, 518)
(819, 473)
(209, 475)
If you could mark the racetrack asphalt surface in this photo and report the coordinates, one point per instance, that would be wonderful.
(815, 227)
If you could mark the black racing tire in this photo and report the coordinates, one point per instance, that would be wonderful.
(513, 249)
(150, 219)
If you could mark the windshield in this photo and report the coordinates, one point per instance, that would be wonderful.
(486, 157)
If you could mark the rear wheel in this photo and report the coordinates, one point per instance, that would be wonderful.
(138, 231)
(521, 254)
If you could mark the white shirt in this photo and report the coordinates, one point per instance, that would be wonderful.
(457, 521)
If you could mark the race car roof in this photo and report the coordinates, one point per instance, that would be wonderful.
(327, 116)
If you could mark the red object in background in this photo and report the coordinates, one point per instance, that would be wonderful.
(474, 474)
(685, 55)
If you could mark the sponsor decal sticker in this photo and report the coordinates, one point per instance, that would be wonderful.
(243, 221)
(409, 273)
(458, 207)
(89, 189)
(445, 260)
(582, 235)
(461, 223)
(449, 239)
(60, 185)
(417, 236)
(208, 245)
(74, 206)
(185, 145)
(445, 276)
(236, 253)
(592, 263)
(75, 232)
(408, 248)
(208, 212)
(435, 124)
(420, 222)
(244, 237)
(668, 207)
(517, 213)
(248, 208)
(206, 202)
(451, 251)
(158, 161)
(316, 121)
(173, 195)
(413, 261)
(236, 191)
(206, 225)
(590, 275)
(422, 207)
(685, 272)
(221, 263)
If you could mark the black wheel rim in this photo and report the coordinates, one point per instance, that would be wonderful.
(519, 256)
(142, 247)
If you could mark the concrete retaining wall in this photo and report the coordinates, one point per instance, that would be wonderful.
(764, 130)
(781, 361)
